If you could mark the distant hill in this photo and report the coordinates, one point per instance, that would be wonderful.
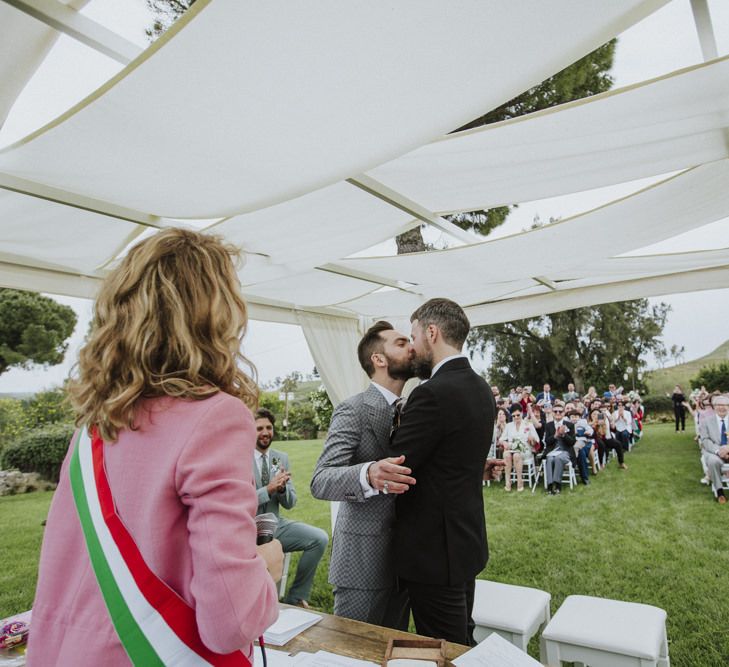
(663, 380)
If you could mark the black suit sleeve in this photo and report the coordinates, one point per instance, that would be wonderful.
(420, 429)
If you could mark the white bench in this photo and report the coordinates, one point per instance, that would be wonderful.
(606, 633)
(514, 612)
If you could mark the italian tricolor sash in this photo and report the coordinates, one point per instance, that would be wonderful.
(155, 625)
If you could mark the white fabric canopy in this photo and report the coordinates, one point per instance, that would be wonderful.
(241, 105)
(305, 127)
(333, 344)
(671, 123)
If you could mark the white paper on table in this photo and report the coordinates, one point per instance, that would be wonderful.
(290, 623)
(495, 650)
(326, 659)
(275, 658)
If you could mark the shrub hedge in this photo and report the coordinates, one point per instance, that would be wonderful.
(40, 450)
(655, 403)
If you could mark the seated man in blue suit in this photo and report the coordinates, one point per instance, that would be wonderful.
(275, 488)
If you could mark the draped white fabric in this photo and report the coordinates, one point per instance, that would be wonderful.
(333, 344)
(24, 43)
(241, 105)
(267, 114)
(657, 127)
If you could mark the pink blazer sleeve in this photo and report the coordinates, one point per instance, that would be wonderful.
(235, 597)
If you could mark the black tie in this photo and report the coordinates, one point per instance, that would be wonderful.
(265, 473)
(399, 404)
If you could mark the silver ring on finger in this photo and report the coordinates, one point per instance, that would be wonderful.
(386, 488)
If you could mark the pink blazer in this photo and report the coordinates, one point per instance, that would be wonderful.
(183, 485)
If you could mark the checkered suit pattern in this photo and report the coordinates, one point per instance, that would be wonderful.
(362, 555)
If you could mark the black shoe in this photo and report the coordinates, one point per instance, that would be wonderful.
(586, 482)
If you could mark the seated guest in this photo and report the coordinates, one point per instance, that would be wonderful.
(623, 422)
(526, 399)
(275, 488)
(713, 440)
(559, 440)
(158, 475)
(570, 394)
(518, 439)
(583, 443)
(495, 460)
(546, 395)
(600, 422)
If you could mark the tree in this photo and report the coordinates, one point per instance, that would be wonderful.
(587, 346)
(714, 377)
(34, 329)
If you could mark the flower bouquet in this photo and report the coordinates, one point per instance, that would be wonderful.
(518, 444)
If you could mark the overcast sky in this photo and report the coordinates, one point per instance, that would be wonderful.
(663, 42)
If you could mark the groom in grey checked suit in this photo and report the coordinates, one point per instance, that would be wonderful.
(354, 469)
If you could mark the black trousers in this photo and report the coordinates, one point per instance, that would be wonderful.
(612, 443)
(679, 412)
(443, 612)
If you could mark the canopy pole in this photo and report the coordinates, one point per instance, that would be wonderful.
(81, 28)
(705, 29)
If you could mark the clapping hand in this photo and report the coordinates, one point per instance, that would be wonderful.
(278, 483)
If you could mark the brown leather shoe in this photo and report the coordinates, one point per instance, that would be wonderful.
(721, 500)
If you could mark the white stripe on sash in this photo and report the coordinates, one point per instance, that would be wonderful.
(170, 648)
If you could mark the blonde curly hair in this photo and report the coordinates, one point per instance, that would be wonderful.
(168, 321)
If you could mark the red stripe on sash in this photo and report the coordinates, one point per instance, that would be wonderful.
(175, 611)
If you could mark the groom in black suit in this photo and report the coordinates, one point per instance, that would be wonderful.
(444, 433)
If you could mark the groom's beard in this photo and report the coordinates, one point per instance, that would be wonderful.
(399, 370)
(422, 364)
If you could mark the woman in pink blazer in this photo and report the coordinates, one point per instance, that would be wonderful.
(162, 407)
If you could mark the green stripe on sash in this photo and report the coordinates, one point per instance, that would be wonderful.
(136, 645)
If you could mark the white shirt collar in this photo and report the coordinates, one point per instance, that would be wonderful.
(436, 368)
(720, 420)
(389, 396)
(259, 454)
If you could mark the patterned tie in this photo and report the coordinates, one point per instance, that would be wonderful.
(399, 404)
(723, 432)
(265, 472)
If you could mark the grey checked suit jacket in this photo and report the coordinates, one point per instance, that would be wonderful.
(709, 435)
(267, 503)
(362, 550)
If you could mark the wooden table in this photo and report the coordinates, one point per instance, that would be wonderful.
(334, 634)
(354, 639)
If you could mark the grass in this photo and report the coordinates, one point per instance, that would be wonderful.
(663, 380)
(650, 534)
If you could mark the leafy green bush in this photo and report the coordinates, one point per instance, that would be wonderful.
(655, 403)
(302, 420)
(271, 401)
(41, 450)
(323, 408)
(47, 407)
(12, 422)
(714, 377)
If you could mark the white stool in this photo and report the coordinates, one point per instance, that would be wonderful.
(629, 634)
(514, 612)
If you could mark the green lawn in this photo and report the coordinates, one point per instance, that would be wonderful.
(650, 534)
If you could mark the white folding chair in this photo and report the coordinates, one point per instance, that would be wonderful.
(284, 576)
(528, 473)
(568, 475)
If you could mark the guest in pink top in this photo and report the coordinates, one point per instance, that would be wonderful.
(159, 378)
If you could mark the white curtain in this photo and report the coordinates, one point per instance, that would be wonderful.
(333, 344)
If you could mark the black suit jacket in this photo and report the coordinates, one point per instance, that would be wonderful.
(551, 441)
(445, 434)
